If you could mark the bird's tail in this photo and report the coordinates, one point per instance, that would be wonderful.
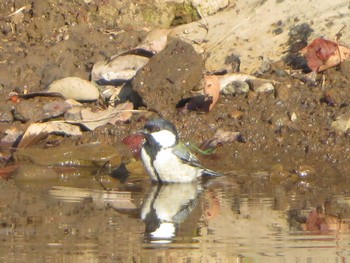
(207, 172)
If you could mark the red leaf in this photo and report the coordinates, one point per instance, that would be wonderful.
(322, 54)
(134, 142)
(6, 172)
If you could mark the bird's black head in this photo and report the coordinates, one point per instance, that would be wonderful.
(157, 125)
(162, 131)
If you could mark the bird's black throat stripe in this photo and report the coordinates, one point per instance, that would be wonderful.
(152, 148)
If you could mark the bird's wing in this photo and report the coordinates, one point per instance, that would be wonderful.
(183, 153)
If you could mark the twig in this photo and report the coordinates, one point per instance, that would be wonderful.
(19, 10)
(204, 20)
(338, 36)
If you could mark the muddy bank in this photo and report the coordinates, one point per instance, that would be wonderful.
(291, 125)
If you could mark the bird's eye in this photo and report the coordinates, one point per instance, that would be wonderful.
(157, 129)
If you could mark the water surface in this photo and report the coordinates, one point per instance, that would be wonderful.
(243, 217)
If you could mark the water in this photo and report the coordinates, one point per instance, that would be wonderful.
(245, 218)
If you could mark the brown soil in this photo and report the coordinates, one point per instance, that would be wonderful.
(53, 41)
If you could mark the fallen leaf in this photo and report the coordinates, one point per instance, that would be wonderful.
(211, 89)
(124, 114)
(91, 120)
(322, 54)
(6, 172)
(155, 41)
(134, 142)
(38, 131)
(220, 137)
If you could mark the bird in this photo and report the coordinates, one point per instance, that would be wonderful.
(166, 158)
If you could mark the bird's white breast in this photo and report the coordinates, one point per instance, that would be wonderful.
(171, 169)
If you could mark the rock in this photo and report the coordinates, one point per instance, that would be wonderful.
(118, 70)
(75, 88)
(155, 41)
(279, 119)
(73, 114)
(5, 113)
(184, 13)
(306, 171)
(236, 114)
(12, 135)
(235, 87)
(55, 108)
(28, 110)
(283, 92)
(132, 15)
(81, 155)
(293, 116)
(209, 7)
(260, 86)
(169, 76)
(342, 123)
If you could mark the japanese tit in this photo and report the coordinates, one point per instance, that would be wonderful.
(166, 158)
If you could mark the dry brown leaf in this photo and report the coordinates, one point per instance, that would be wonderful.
(134, 142)
(6, 172)
(220, 137)
(155, 41)
(124, 114)
(38, 131)
(212, 89)
(91, 120)
(322, 54)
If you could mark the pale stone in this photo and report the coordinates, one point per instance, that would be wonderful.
(75, 88)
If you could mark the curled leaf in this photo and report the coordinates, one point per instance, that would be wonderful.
(322, 54)
(155, 41)
(211, 89)
(38, 131)
(220, 137)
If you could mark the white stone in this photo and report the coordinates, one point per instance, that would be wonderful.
(266, 87)
(342, 123)
(118, 69)
(75, 88)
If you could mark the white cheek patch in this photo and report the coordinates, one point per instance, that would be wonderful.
(165, 138)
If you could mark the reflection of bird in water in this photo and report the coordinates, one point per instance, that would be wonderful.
(166, 207)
